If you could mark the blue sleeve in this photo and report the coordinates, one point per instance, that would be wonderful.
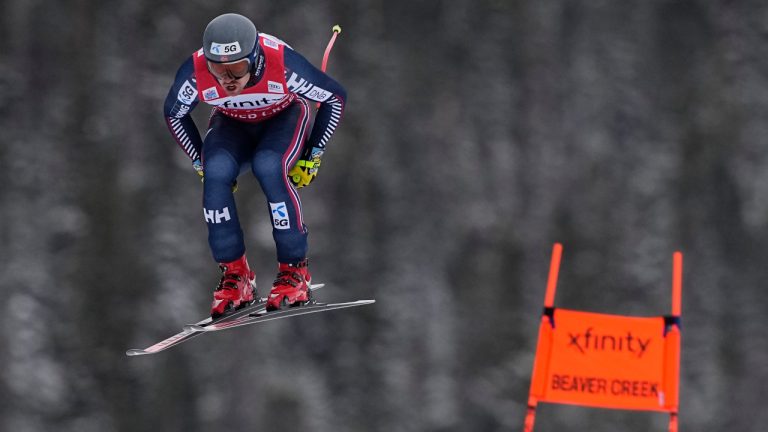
(181, 100)
(306, 80)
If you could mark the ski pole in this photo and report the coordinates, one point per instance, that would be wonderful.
(336, 31)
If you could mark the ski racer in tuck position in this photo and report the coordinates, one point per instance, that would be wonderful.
(259, 88)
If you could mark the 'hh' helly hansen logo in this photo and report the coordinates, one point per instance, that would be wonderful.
(586, 341)
(280, 216)
(305, 88)
(216, 216)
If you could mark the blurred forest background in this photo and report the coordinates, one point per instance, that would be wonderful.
(477, 133)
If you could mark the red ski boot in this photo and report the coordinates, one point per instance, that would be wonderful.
(291, 287)
(236, 289)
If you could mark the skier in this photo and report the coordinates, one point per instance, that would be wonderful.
(259, 87)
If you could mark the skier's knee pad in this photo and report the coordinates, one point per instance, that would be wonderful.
(267, 166)
(220, 166)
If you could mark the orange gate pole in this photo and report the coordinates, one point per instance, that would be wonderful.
(674, 363)
(549, 303)
(554, 271)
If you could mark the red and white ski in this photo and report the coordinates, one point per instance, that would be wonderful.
(261, 316)
(194, 330)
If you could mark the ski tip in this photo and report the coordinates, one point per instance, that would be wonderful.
(316, 286)
(364, 302)
(135, 352)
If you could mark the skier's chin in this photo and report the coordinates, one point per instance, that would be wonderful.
(232, 89)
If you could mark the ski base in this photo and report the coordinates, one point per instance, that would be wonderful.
(188, 332)
(191, 331)
(263, 316)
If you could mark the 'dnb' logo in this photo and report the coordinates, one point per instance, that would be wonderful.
(280, 216)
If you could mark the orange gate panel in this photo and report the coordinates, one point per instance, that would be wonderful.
(607, 361)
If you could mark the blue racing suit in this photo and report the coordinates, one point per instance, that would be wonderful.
(266, 129)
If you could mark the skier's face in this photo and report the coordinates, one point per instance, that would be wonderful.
(233, 76)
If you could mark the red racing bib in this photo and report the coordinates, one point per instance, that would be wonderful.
(267, 97)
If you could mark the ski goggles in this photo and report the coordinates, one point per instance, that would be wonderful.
(234, 70)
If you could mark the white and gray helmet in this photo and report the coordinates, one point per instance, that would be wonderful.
(230, 37)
